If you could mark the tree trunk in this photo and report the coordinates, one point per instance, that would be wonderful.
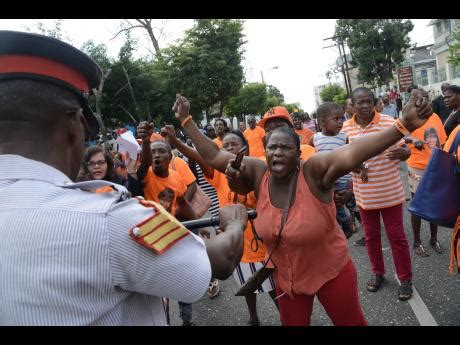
(221, 109)
(132, 93)
(98, 94)
(154, 40)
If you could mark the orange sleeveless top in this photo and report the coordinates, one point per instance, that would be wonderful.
(313, 248)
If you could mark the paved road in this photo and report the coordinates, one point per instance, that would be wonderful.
(437, 301)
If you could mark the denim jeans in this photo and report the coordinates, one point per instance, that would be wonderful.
(185, 310)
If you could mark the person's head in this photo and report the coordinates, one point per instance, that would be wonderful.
(210, 131)
(297, 120)
(444, 87)
(161, 155)
(252, 122)
(242, 126)
(282, 150)
(330, 118)
(166, 198)
(452, 97)
(44, 87)
(378, 104)
(276, 117)
(234, 141)
(98, 164)
(363, 102)
(221, 127)
(385, 99)
(431, 138)
(349, 106)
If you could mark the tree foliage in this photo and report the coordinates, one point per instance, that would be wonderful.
(377, 46)
(251, 99)
(454, 49)
(331, 92)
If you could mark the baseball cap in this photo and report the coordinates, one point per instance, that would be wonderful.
(274, 113)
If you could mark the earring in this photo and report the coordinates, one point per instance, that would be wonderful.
(298, 165)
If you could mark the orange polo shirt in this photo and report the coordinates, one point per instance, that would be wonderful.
(419, 158)
(227, 197)
(450, 140)
(155, 186)
(304, 135)
(218, 141)
(255, 138)
(384, 187)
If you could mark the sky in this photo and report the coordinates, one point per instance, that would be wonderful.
(288, 52)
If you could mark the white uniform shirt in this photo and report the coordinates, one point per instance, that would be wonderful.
(66, 257)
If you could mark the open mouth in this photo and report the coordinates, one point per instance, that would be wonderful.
(278, 166)
(157, 162)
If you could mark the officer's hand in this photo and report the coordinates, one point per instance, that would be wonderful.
(181, 107)
(144, 131)
(232, 214)
(204, 232)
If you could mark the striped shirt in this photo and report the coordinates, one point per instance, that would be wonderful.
(324, 143)
(66, 256)
(209, 190)
(384, 188)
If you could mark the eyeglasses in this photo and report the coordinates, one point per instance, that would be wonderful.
(92, 164)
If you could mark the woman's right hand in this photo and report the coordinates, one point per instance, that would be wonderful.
(144, 131)
(231, 172)
(417, 110)
(181, 107)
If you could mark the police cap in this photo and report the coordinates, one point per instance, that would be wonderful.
(25, 55)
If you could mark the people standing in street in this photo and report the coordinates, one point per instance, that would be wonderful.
(71, 256)
(255, 138)
(304, 133)
(452, 99)
(439, 105)
(314, 262)
(389, 108)
(309, 123)
(381, 195)
(421, 142)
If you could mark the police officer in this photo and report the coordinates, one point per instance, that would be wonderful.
(71, 256)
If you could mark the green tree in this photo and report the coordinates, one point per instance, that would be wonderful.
(377, 46)
(251, 99)
(454, 49)
(340, 98)
(329, 92)
(206, 65)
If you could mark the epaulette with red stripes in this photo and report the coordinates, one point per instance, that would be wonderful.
(160, 231)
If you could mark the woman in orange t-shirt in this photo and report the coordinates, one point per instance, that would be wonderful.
(304, 133)
(421, 142)
(310, 256)
(254, 250)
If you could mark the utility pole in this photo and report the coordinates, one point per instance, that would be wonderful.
(339, 40)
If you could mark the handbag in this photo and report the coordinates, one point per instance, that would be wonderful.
(256, 280)
(437, 198)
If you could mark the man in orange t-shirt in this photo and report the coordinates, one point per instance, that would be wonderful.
(421, 142)
(255, 138)
(304, 133)
(221, 128)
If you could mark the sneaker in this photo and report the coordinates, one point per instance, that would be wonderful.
(213, 289)
(360, 243)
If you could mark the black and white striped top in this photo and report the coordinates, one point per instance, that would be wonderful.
(209, 190)
(66, 257)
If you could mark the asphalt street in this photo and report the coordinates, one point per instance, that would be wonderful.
(436, 300)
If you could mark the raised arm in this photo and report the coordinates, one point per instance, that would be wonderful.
(144, 131)
(325, 168)
(218, 159)
(170, 135)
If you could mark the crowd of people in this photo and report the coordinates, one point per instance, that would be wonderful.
(105, 240)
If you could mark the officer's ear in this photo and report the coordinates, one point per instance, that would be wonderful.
(76, 129)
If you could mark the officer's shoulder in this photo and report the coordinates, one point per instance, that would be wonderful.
(106, 188)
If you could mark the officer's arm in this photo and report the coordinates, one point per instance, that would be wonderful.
(225, 250)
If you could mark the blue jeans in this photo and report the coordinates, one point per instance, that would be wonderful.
(342, 217)
(185, 310)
